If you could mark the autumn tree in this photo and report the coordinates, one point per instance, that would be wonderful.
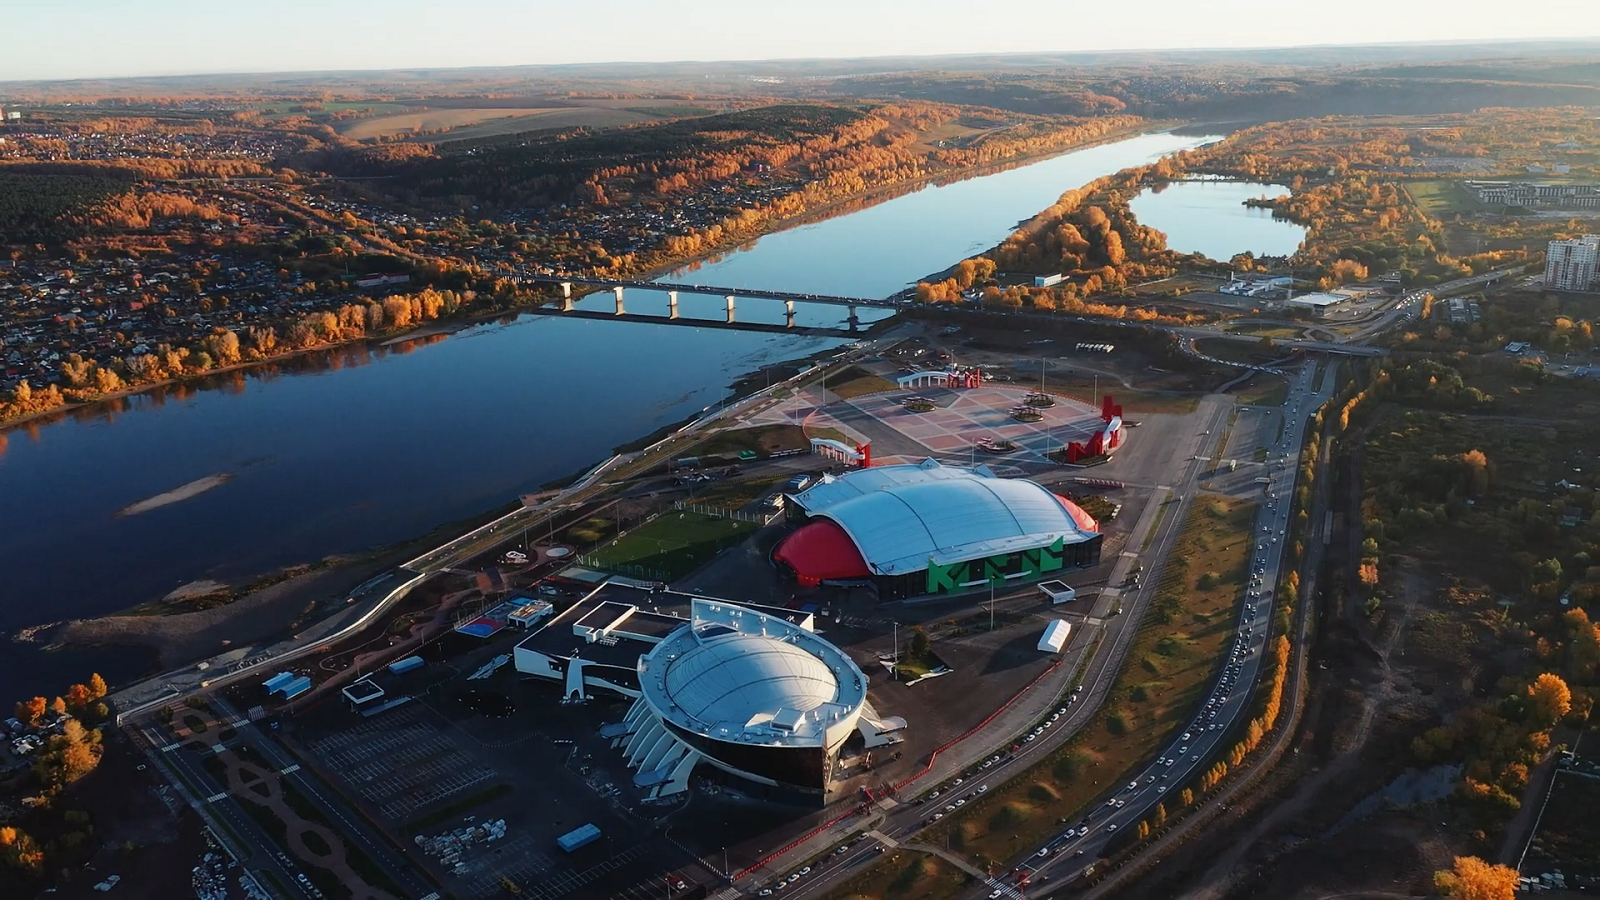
(31, 711)
(68, 756)
(919, 643)
(20, 851)
(97, 686)
(1473, 879)
(78, 696)
(1549, 698)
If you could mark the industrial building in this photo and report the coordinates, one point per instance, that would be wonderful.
(1571, 265)
(1533, 195)
(1318, 303)
(927, 528)
(752, 694)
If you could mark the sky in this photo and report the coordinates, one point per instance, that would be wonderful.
(109, 38)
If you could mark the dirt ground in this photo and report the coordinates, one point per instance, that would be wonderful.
(178, 639)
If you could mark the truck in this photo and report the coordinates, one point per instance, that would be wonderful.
(797, 484)
(1048, 280)
(581, 836)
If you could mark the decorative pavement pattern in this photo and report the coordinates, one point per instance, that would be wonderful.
(962, 417)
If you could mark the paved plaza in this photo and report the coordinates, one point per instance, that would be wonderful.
(950, 431)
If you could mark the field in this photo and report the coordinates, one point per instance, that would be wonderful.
(905, 874)
(670, 546)
(764, 440)
(855, 381)
(1173, 658)
(1265, 390)
(1441, 196)
(468, 123)
(1262, 329)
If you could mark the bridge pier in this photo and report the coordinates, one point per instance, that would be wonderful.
(788, 313)
(618, 291)
(730, 308)
(853, 320)
(672, 304)
(566, 296)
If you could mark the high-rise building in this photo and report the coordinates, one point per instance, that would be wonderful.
(1571, 265)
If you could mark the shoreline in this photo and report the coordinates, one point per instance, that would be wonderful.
(451, 326)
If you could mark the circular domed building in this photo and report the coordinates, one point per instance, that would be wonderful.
(756, 696)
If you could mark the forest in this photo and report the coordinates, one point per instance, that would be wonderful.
(1347, 181)
(48, 209)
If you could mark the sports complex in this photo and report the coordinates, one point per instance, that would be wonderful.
(912, 511)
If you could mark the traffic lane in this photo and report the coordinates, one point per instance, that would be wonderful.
(243, 824)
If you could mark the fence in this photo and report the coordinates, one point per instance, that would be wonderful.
(717, 512)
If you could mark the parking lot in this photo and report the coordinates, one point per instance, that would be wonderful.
(401, 763)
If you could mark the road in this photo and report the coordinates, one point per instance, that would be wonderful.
(347, 822)
(1162, 521)
(221, 812)
(1229, 703)
(1230, 697)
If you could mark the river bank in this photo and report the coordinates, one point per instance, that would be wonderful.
(445, 327)
(369, 446)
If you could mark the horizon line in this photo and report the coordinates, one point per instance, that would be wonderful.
(1459, 42)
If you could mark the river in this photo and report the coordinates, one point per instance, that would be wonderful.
(358, 448)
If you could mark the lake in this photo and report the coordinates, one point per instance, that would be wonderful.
(1209, 217)
(359, 447)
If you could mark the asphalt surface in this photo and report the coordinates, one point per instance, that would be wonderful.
(223, 814)
(900, 823)
(1196, 746)
(1066, 853)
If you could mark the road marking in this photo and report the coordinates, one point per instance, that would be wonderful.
(218, 747)
(170, 747)
(289, 770)
(217, 798)
(884, 839)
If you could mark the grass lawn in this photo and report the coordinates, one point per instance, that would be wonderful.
(765, 440)
(1265, 390)
(1238, 351)
(735, 493)
(832, 434)
(1444, 195)
(670, 546)
(1276, 332)
(1174, 657)
(853, 381)
(1082, 390)
(904, 873)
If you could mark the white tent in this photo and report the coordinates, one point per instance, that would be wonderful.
(1055, 637)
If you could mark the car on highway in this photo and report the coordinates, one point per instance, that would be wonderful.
(805, 870)
(1133, 785)
(1112, 827)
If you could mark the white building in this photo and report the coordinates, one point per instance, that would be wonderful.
(1319, 303)
(1571, 265)
(750, 693)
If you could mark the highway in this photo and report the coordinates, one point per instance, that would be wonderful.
(348, 823)
(223, 813)
(1229, 703)
(902, 821)
(1192, 749)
